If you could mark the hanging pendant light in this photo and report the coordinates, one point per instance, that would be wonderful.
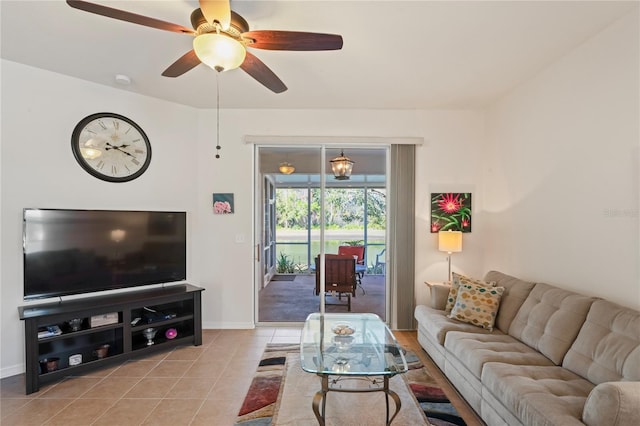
(286, 168)
(342, 167)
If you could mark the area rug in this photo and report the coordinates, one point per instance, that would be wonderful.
(268, 402)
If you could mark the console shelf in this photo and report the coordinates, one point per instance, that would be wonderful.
(173, 312)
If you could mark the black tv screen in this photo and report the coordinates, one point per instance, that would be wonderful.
(80, 251)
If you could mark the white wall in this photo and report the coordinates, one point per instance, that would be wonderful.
(449, 163)
(545, 166)
(39, 111)
(183, 175)
(561, 171)
(225, 266)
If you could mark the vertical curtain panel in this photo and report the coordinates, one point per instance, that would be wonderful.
(401, 265)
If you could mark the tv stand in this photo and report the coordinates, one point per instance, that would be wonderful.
(56, 346)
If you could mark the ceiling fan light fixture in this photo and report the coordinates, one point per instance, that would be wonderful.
(342, 167)
(286, 168)
(219, 51)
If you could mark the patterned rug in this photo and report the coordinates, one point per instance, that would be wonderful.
(263, 397)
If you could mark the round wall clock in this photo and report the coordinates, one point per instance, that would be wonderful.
(111, 147)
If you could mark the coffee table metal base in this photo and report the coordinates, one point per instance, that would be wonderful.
(321, 396)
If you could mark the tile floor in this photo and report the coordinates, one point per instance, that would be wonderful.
(190, 385)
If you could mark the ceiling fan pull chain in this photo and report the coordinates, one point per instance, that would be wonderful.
(217, 115)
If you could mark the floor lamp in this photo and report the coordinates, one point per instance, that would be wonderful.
(451, 242)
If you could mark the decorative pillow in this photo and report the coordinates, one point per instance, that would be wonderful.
(455, 283)
(477, 305)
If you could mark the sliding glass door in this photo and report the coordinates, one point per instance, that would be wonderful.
(308, 212)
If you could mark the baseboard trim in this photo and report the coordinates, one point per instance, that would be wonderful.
(228, 325)
(12, 370)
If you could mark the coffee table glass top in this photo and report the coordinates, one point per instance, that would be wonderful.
(350, 345)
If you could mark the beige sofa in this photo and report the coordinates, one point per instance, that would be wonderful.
(554, 357)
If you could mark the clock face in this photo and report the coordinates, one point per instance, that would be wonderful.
(111, 147)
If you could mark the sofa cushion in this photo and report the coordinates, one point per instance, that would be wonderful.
(438, 294)
(455, 285)
(537, 395)
(477, 304)
(550, 319)
(613, 404)
(474, 350)
(436, 324)
(608, 346)
(515, 293)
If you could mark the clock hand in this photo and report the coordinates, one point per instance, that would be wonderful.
(117, 148)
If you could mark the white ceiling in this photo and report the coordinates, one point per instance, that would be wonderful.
(396, 54)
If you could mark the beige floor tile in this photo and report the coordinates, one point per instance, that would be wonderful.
(129, 395)
(230, 388)
(10, 405)
(101, 372)
(151, 387)
(112, 387)
(264, 331)
(284, 331)
(156, 356)
(173, 412)
(248, 354)
(258, 343)
(241, 367)
(127, 412)
(205, 369)
(71, 387)
(186, 353)
(191, 388)
(36, 412)
(81, 412)
(135, 368)
(168, 368)
(209, 336)
(217, 412)
(13, 387)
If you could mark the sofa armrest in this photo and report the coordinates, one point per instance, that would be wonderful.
(438, 294)
(613, 403)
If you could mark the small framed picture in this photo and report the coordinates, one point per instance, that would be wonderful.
(223, 204)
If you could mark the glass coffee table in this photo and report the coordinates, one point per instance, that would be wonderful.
(340, 347)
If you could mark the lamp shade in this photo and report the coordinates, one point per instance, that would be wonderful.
(342, 167)
(450, 241)
(219, 51)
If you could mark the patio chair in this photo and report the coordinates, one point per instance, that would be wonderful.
(381, 261)
(340, 277)
(361, 266)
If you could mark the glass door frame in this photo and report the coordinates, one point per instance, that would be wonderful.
(259, 220)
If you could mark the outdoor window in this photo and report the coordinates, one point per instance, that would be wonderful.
(353, 216)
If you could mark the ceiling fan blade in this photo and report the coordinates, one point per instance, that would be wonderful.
(122, 15)
(293, 40)
(217, 10)
(187, 62)
(258, 70)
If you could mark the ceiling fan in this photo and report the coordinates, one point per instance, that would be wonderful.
(221, 39)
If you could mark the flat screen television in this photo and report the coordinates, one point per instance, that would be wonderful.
(69, 252)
